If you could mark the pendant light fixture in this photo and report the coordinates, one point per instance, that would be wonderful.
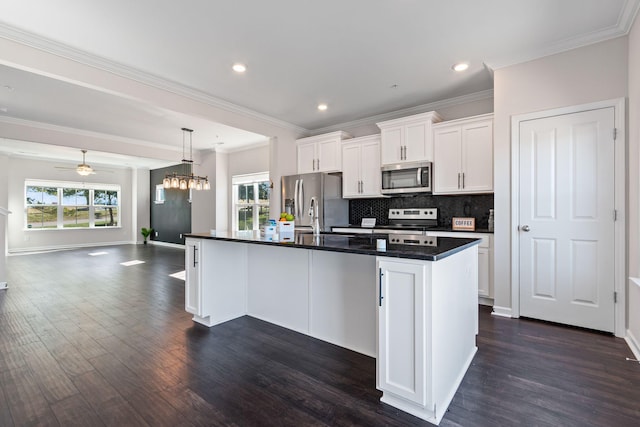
(186, 179)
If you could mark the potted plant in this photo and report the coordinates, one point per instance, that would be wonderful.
(146, 232)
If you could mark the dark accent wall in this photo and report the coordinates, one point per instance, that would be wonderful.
(476, 206)
(171, 219)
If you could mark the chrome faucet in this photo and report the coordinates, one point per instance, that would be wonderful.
(313, 213)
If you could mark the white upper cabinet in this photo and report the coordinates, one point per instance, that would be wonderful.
(408, 139)
(361, 176)
(321, 153)
(463, 156)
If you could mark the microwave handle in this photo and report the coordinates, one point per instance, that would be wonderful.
(419, 177)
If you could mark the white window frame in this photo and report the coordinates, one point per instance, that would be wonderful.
(60, 206)
(255, 179)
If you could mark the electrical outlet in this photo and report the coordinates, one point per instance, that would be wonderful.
(181, 235)
(156, 234)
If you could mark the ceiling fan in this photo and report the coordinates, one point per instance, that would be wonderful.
(83, 168)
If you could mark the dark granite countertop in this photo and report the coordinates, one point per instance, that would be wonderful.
(364, 244)
(409, 229)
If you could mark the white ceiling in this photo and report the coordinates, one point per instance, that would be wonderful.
(361, 57)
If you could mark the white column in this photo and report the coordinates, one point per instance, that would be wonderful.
(3, 245)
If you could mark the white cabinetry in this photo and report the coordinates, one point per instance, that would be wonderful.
(485, 259)
(427, 322)
(401, 330)
(463, 156)
(408, 139)
(213, 295)
(361, 167)
(321, 153)
(193, 284)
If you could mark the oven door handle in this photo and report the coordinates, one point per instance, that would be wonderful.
(419, 177)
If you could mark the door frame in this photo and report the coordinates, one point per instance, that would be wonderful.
(620, 173)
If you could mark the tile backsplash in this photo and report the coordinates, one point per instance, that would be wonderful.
(472, 205)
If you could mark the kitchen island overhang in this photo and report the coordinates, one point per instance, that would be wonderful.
(413, 308)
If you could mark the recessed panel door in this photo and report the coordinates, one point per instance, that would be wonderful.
(566, 219)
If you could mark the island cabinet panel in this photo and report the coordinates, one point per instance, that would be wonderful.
(401, 330)
(278, 290)
(427, 322)
(215, 295)
(342, 300)
(193, 287)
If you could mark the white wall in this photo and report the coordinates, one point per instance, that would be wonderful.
(633, 218)
(21, 239)
(588, 74)
(203, 203)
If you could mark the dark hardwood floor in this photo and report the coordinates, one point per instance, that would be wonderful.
(86, 341)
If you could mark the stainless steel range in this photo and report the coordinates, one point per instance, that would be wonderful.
(407, 226)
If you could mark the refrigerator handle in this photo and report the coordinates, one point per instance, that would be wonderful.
(301, 210)
(295, 198)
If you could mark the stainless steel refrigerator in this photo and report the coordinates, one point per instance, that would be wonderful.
(297, 191)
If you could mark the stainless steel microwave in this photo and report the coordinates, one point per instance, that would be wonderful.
(412, 177)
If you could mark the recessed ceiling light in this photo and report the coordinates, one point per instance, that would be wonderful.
(460, 66)
(239, 68)
(322, 107)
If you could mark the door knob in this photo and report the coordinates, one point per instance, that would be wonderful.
(525, 228)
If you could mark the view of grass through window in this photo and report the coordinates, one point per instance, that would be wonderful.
(68, 206)
(251, 201)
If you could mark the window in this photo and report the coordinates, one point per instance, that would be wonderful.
(160, 195)
(250, 201)
(63, 205)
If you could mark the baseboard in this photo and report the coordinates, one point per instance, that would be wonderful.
(25, 251)
(502, 311)
(633, 344)
(485, 301)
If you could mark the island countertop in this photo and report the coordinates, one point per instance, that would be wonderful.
(356, 244)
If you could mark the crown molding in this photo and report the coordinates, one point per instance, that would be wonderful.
(87, 133)
(621, 28)
(432, 106)
(83, 57)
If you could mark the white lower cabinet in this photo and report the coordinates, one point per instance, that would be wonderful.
(215, 295)
(427, 323)
(192, 283)
(401, 330)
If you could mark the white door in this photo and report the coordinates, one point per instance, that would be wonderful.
(566, 219)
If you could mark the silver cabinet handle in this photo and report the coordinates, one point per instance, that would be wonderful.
(525, 228)
(462, 179)
(458, 180)
(194, 255)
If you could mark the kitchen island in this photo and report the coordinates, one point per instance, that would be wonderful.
(413, 308)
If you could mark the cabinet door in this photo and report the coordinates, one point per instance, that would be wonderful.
(370, 174)
(477, 156)
(306, 157)
(401, 330)
(392, 139)
(447, 168)
(418, 146)
(483, 273)
(329, 158)
(192, 288)
(351, 170)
